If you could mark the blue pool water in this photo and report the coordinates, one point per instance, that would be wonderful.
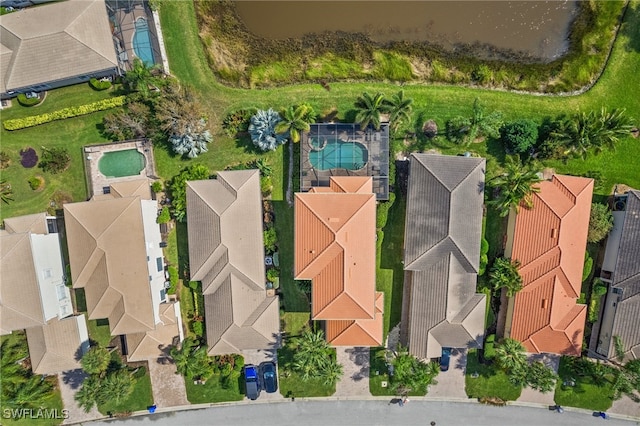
(339, 155)
(142, 42)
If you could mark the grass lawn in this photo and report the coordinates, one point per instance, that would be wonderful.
(53, 403)
(212, 391)
(390, 272)
(98, 329)
(490, 382)
(291, 384)
(379, 373)
(585, 394)
(140, 399)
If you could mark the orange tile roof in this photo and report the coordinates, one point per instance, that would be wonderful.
(362, 332)
(335, 247)
(550, 241)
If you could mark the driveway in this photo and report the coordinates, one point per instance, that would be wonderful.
(355, 367)
(533, 396)
(167, 386)
(451, 382)
(69, 383)
(258, 356)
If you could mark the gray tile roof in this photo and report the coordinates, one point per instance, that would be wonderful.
(226, 254)
(55, 42)
(442, 254)
(626, 277)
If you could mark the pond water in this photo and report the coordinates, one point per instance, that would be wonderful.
(537, 28)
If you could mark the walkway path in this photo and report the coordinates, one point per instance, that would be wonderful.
(355, 380)
(168, 387)
(69, 383)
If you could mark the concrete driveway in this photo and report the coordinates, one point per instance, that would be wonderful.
(69, 383)
(451, 382)
(355, 367)
(533, 396)
(258, 356)
(168, 387)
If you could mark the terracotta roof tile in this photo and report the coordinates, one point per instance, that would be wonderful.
(362, 332)
(335, 248)
(550, 241)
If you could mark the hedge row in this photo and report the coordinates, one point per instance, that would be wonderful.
(35, 120)
(383, 211)
(99, 84)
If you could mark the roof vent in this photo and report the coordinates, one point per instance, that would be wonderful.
(545, 302)
(554, 233)
(312, 251)
(334, 219)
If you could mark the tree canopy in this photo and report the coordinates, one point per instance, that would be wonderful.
(516, 185)
(368, 110)
(519, 136)
(263, 130)
(178, 188)
(600, 222)
(504, 274)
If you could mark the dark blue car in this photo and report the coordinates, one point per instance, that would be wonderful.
(251, 382)
(269, 377)
(445, 358)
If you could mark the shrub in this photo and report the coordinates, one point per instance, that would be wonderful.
(481, 74)
(28, 102)
(36, 120)
(588, 266)
(99, 84)
(140, 372)
(273, 274)
(28, 158)
(382, 213)
(599, 288)
(265, 185)
(238, 121)
(270, 240)
(489, 347)
(55, 160)
(457, 129)
(198, 328)
(304, 286)
(5, 160)
(519, 136)
(178, 188)
(594, 309)
(484, 258)
(35, 183)
(430, 129)
(157, 186)
(164, 216)
(600, 222)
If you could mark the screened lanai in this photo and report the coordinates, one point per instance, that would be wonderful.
(343, 149)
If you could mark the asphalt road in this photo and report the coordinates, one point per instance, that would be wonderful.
(348, 413)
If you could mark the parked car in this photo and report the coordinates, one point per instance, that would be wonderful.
(445, 358)
(269, 377)
(251, 382)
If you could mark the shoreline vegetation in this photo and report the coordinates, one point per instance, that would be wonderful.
(239, 58)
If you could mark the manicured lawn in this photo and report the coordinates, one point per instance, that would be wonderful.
(390, 272)
(490, 382)
(171, 251)
(213, 391)
(379, 373)
(585, 394)
(98, 329)
(140, 399)
(291, 384)
(53, 403)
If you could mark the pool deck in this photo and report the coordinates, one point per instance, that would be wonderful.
(96, 181)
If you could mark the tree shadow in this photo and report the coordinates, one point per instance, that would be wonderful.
(243, 140)
(73, 378)
(631, 27)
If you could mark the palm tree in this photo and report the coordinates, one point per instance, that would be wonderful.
(295, 121)
(96, 361)
(87, 396)
(30, 393)
(399, 109)
(332, 373)
(116, 387)
(504, 274)
(6, 192)
(510, 354)
(540, 377)
(140, 77)
(516, 185)
(312, 354)
(368, 110)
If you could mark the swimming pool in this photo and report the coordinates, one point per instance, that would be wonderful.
(339, 155)
(127, 162)
(142, 42)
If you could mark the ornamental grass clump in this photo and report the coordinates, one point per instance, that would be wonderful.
(28, 158)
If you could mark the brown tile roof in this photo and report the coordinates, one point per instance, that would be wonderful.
(335, 248)
(108, 259)
(58, 346)
(550, 241)
(362, 332)
(156, 343)
(55, 42)
(226, 254)
(443, 230)
(20, 298)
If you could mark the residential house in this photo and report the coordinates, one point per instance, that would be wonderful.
(335, 248)
(226, 254)
(621, 271)
(34, 295)
(443, 230)
(55, 45)
(115, 256)
(549, 241)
